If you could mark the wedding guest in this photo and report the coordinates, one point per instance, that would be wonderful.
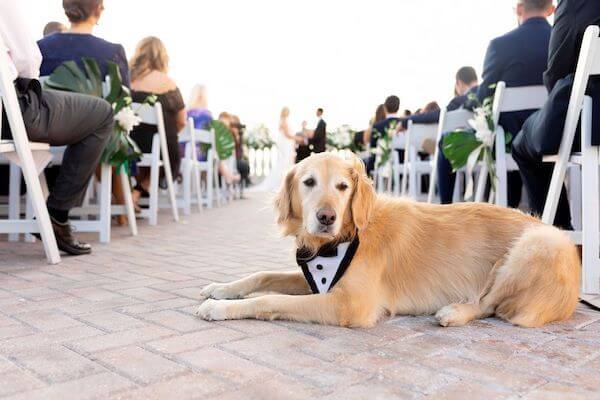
(466, 83)
(149, 76)
(54, 27)
(315, 139)
(224, 170)
(243, 166)
(197, 107)
(542, 132)
(391, 106)
(82, 123)
(79, 42)
(377, 118)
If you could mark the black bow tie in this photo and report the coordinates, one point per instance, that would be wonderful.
(327, 251)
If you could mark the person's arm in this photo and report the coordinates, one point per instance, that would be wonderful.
(285, 128)
(22, 48)
(492, 70)
(180, 119)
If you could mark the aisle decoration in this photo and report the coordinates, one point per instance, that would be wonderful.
(259, 138)
(467, 147)
(121, 150)
(224, 142)
(383, 150)
(341, 139)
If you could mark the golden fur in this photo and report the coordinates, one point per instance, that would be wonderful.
(461, 261)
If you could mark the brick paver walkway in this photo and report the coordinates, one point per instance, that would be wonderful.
(119, 324)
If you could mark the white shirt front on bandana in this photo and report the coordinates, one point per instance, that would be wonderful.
(324, 269)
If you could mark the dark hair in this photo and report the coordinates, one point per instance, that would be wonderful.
(379, 113)
(392, 104)
(320, 110)
(53, 27)
(466, 75)
(81, 10)
(407, 113)
(536, 5)
(431, 106)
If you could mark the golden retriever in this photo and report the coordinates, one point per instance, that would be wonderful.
(462, 261)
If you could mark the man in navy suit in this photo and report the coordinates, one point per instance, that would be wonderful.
(518, 58)
(542, 133)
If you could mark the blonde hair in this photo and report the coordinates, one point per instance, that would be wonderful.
(285, 112)
(198, 97)
(150, 55)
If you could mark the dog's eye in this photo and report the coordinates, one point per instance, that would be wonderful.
(342, 186)
(310, 182)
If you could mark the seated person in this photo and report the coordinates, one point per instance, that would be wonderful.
(79, 42)
(377, 118)
(198, 111)
(73, 45)
(243, 166)
(83, 123)
(149, 76)
(466, 83)
(391, 107)
(224, 170)
(54, 27)
(518, 58)
(542, 132)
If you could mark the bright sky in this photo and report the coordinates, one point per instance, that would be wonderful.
(344, 55)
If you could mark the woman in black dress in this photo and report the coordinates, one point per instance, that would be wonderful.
(149, 68)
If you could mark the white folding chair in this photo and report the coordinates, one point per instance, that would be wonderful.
(153, 115)
(449, 121)
(190, 168)
(513, 99)
(32, 158)
(589, 159)
(413, 167)
(103, 210)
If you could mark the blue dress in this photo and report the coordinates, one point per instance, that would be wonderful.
(60, 47)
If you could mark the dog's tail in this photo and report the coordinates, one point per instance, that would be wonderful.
(538, 282)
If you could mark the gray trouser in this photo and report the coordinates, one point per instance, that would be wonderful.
(83, 123)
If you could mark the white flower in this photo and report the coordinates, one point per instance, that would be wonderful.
(127, 119)
(482, 128)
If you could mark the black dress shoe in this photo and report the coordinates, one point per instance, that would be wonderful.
(65, 240)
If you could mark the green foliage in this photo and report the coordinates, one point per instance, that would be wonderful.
(224, 142)
(457, 146)
(121, 149)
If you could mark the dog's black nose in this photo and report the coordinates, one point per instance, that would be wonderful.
(326, 216)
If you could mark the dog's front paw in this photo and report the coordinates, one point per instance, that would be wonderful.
(212, 310)
(218, 291)
(455, 314)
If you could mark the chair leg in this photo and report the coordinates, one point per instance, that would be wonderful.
(14, 198)
(481, 182)
(153, 200)
(105, 202)
(196, 176)
(187, 186)
(126, 185)
(591, 213)
(575, 196)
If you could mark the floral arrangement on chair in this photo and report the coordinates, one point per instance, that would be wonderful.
(341, 139)
(121, 150)
(383, 150)
(467, 147)
(259, 138)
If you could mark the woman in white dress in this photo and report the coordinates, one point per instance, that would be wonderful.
(285, 141)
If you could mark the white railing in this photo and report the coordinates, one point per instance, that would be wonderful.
(262, 161)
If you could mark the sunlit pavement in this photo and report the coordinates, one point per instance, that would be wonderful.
(119, 324)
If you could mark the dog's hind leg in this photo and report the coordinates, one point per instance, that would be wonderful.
(459, 314)
(292, 282)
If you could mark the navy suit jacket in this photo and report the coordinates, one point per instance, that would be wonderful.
(518, 58)
(380, 129)
(542, 133)
(60, 47)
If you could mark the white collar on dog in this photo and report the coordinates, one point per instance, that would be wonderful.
(323, 270)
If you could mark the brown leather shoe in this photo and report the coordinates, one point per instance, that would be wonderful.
(65, 240)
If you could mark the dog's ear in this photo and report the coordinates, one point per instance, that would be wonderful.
(363, 197)
(284, 201)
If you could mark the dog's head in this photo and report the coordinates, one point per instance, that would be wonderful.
(325, 198)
